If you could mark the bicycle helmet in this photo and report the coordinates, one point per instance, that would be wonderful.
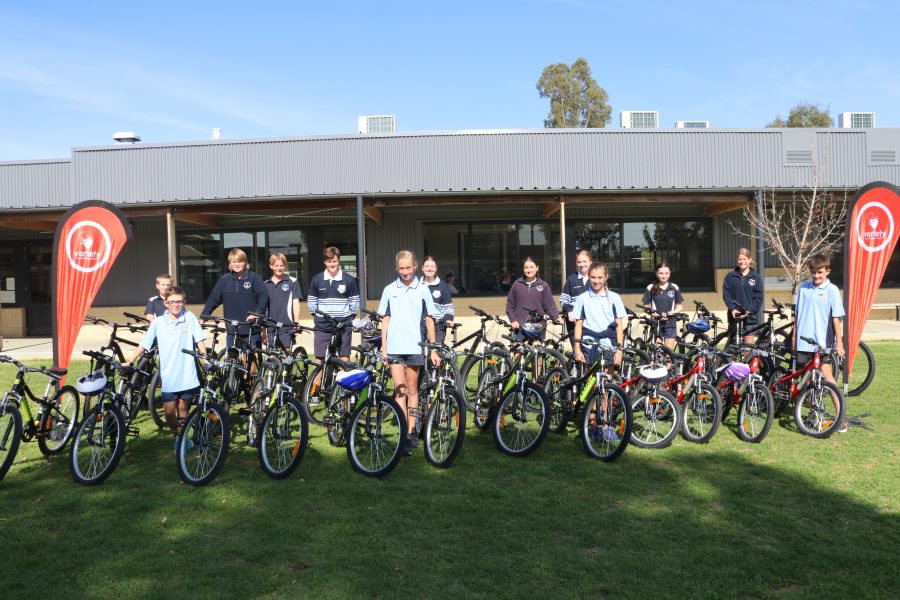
(654, 373)
(354, 380)
(698, 327)
(90, 384)
(532, 330)
(737, 371)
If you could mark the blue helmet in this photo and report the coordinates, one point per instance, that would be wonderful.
(354, 380)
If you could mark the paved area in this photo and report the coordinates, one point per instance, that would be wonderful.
(92, 337)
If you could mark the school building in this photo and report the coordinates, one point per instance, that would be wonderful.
(479, 201)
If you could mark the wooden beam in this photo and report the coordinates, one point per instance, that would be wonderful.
(723, 207)
(550, 209)
(40, 226)
(207, 220)
(373, 213)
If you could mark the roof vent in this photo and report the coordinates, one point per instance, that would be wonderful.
(126, 137)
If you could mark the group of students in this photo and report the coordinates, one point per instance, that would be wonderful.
(418, 309)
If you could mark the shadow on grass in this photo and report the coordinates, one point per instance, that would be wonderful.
(690, 521)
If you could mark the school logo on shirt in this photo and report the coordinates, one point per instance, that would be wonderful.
(670, 293)
(436, 294)
(539, 288)
(285, 287)
(247, 285)
(752, 282)
(342, 288)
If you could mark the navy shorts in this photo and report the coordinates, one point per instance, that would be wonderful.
(411, 360)
(186, 395)
(321, 339)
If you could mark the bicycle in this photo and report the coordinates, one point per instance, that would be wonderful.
(476, 358)
(605, 409)
(443, 407)
(321, 379)
(202, 443)
(701, 406)
(656, 412)
(243, 360)
(54, 422)
(741, 385)
(819, 405)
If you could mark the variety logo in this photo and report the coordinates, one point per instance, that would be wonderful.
(874, 226)
(87, 246)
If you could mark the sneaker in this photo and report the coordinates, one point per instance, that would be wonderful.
(594, 433)
(188, 444)
(609, 434)
(413, 441)
(844, 426)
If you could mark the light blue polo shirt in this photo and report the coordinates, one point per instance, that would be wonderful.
(176, 369)
(816, 306)
(405, 305)
(597, 311)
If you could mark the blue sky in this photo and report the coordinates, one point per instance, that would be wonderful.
(72, 73)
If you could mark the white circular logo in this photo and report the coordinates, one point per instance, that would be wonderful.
(539, 288)
(752, 282)
(671, 293)
(87, 246)
(874, 226)
(285, 287)
(436, 294)
(247, 285)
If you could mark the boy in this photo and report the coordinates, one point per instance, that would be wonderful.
(284, 300)
(156, 305)
(334, 293)
(239, 292)
(819, 314)
(173, 331)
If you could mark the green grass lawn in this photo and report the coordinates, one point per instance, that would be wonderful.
(793, 517)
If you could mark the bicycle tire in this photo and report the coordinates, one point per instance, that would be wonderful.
(781, 393)
(819, 412)
(616, 414)
(445, 428)
(141, 383)
(656, 418)
(299, 368)
(230, 387)
(521, 420)
(701, 414)
(209, 434)
(486, 398)
(863, 370)
(377, 437)
(58, 421)
(10, 437)
(283, 439)
(338, 419)
(154, 401)
(259, 397)
(559, 399)
(316, 393)
(98, 445)
(755, 414)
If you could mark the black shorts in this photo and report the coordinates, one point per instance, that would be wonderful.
(411, 360)
(321, 339)
(186, 395)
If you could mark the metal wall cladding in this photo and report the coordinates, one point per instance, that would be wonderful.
(37, 184)
(132, 279)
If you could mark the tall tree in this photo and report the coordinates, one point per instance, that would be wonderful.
(805, 115)
(575, 98)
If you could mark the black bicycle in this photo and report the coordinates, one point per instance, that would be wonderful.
(320, 380)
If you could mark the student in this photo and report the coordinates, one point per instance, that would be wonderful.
(156, 305)
(598, 311)
(442, 296)
(743, 287)
(576, 284)
(284, 300)
(452, 282)
(173, 331)
(404, 304)
(663, 299)
(819, 313)
(239, 292)
(336, 294)
(529, 293)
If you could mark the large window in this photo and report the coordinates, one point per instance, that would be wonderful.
(487, 257)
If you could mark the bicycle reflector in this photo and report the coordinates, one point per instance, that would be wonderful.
(737, 371)
(654, 373)
(354, 380)
(91, 384)
(698, 327)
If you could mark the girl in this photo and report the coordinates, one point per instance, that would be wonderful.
(404, 304)
(576, 284)
(529, 293)
(743, 287)
(663, 299)
(441, 295)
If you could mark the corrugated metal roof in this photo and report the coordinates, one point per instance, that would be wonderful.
(412, 164)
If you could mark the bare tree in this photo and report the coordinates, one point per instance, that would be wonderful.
(809, 222)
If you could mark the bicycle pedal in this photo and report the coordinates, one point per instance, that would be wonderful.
(134, 432)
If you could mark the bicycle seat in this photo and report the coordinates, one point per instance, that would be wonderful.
(57, 372)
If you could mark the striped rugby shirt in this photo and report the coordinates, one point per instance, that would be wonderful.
(335, 296)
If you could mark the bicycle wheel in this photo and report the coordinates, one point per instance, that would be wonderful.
(486, 398)
(203, 444)
(284, 437)
(141, 383)
(522, 420)
(154, 401)
(755, 414)
(99, 444)
(10, 436)
(232, 379)
(468, 377)
(58, 421)
(256, 411)
(445, 428)
(376, 437)
(316, 393)
(701, 414)
(781, 393)
(607, 423)
(819, 411)
(657, 418)
(337, 416)
(560, 399)
(863, 370)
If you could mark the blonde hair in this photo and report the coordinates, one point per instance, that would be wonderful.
(583, 252)
(238, 255)
(276, 256)
(745, 252)
(408, 254)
